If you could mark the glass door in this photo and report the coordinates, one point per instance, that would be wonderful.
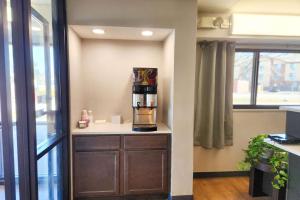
(33, 100)
(49, 133)
(9, 172)
(2, 188)
(47, 111)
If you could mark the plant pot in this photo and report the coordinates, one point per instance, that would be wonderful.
(268, 153)
(279, 194)
(255, 183)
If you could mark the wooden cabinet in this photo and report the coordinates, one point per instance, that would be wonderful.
(145, 164)
(96, 173)
(96, 163)
(146, 172)
(96, 143)
(132, 142)
(110, 166)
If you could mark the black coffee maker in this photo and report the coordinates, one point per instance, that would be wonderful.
(144, 99)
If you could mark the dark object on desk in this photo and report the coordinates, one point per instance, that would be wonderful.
(260, 183)
(292, 124)
(284, 138)
(292, 134)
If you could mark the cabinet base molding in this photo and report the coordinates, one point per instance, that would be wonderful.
(183, 197)
(142, 197)
(132, 197)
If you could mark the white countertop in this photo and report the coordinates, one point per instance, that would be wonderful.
(291, 148)
(109, 128)
(290, 108)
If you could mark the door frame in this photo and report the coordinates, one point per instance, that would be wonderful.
(5, 103)
(24, 89)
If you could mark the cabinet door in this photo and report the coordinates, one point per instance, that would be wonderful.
(145, 172)
(96, 173)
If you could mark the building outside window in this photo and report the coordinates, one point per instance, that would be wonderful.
(266, 78)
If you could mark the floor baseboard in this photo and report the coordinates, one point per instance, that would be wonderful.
(220, 174)
(183, 197)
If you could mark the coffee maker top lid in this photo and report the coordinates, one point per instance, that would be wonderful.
(145, 76)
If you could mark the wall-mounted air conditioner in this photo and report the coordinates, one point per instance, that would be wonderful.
(265, 25)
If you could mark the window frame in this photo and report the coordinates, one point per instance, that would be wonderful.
(255, 72)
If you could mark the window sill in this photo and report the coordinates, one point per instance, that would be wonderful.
(262, 108)
(257, 110)
(266, 107)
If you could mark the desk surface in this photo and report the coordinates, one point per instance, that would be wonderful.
(291, 148)
(290, 108)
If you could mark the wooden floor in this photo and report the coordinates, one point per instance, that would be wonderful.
(233, 188)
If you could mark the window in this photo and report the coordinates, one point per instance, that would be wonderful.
(49, 181)
(50, 134)
(266, 79)
(243, 67)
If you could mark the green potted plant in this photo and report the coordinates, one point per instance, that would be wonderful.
(258, 152)
(279, 163)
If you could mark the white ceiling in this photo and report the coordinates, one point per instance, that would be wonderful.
(47, 2)
(121, 33)
(216, 5)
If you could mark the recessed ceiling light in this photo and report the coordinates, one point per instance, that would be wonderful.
(147, 33)
(35, 28)
(98, 31)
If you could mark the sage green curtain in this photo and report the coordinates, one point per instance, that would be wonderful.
(213, 100)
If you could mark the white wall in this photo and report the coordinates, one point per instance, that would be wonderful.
(289, 7)
(246, 124)
(286, 7)
(180, 15)
(107, 74)
(168, 79)
(75, 77)
(225, 34)
(75, 74)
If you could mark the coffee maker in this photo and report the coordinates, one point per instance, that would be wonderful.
(144, 99)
